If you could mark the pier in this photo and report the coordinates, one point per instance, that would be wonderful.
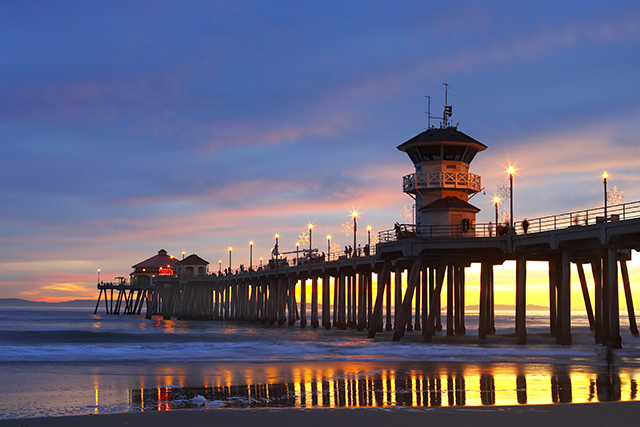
(342, 288)
(436, 250)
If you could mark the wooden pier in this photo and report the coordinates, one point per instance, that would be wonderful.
(342, 290)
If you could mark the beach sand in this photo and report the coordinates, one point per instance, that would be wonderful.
(598, 414)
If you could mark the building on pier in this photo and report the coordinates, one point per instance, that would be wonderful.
(161, 264)
(192, 266)
(441, 184)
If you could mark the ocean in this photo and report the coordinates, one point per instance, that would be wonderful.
(66, 361)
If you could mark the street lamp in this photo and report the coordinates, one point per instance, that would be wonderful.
(219, 266)
(496, 200)
(260, 262)
(605, 175)
(329, 247)
(355, 230)
(98, 275)
(297, 253)
(275, 249)
(369, 236)
(250, 255)
(511, 171)
(183, 253)
(310, 232)
(230, 249)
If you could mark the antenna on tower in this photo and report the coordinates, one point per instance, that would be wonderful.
(447, 108)
(447, 112)
(428, 111)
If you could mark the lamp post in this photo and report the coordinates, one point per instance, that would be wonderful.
(260, 262)
(511, 171)
(250, 255)
(605, 175)
(297, 255)
(219, 266)
(275, 249)
(230, 249)
(183, 253)
(355, 230)
(310, 231)
(98, 275)
(329, 247)
(369, 236)
(496, 200)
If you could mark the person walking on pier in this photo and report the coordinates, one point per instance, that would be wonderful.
(525, 226)
(490, 229)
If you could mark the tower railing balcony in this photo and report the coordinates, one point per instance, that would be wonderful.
(454, 180)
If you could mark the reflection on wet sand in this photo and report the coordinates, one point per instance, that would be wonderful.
(334, 388)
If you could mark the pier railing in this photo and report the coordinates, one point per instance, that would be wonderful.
(579, 218)
(407, 231)
(458, 180)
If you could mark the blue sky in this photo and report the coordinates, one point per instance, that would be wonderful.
(130, 127)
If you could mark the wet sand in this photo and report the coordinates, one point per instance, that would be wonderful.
(618, 414)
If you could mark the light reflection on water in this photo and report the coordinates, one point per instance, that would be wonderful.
(464, 385)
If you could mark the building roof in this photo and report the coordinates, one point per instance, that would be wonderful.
(160, 260)
(435, 135)
(193, 259)
(449, 202)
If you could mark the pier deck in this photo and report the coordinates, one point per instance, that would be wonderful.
(342, 289)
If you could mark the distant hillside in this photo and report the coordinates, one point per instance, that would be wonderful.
(17, 302)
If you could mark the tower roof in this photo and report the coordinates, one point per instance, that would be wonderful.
(160, 260)
(193, 260)
(449, 203)
(439, 135)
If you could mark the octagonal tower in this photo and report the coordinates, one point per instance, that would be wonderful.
(441, 184)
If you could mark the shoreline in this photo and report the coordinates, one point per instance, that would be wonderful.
(603, 413)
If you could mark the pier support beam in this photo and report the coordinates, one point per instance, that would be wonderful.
(596, 269)
(429, 330)
(613, 336)
(397, 300)
(564, 306)
(483, 321)
(553, 296)
(314, 302)
(585, 295)
(450, 303)
(326, 301)
(303, 302)
(404, 316)
(521, 299)
(375, 324)
(633, 326)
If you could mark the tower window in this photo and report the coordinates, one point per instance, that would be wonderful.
(453, 152)
(431, 153)
(469, 155)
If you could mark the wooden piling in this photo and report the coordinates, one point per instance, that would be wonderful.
(375, 323)
(633, 326)
(404, 316)
(429, 330)
(450, 299)
(585, 295)
(521, 299)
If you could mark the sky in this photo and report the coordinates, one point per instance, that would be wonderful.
(128, 127)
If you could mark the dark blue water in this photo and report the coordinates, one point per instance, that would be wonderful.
(67, 361)
(76, 335)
